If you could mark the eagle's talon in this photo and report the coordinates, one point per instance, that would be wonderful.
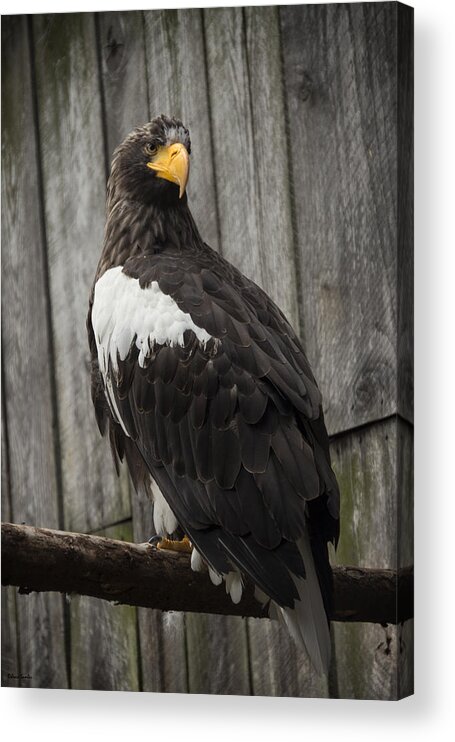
(170, 545)
(154, 540)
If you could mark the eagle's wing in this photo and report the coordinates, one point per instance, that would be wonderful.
(216, 395)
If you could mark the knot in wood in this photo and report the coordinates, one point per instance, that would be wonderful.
(306, 85)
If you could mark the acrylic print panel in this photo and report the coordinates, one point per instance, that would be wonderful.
(301, 176)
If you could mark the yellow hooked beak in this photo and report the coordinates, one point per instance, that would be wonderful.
(172, 163)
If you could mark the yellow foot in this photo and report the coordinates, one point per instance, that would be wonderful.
(169, 545)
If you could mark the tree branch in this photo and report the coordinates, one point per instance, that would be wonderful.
(40, 559)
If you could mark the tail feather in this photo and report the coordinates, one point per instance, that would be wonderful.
(307, 621)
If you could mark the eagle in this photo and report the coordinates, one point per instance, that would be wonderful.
(203, 387)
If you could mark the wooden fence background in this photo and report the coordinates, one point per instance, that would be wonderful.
(301, 123)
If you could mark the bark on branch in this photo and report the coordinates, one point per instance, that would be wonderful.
(40, 559)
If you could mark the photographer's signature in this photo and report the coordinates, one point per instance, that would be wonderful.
(21, 676)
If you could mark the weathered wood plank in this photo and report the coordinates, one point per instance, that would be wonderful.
(74, 191)
(10, 656)
(374, 470)
(341, 81)
(278, 667)
(405, 205)
(163, 651)
(24, 304)
(405, 662)
(217, 655)
(251, 163)
(124, 74)
(178, 87)
(104, 641)
(162, 635)
(405, 553)
(372, 485)
(26, 359)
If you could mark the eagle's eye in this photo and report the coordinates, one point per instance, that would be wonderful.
(151, 149)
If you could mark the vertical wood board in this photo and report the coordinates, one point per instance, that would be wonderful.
(124, 74)
(341, 83)
(176, 71)
(405, 552)
(104, 643)
(278, 666)
(74, 193)
(405, 208)
(10, 656)
(372, 485)
(217, 654)
(25, 343)
(26, 360)
(250, 148)
(162, 635)
(374, 470)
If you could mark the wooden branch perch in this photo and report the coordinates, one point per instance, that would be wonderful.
(40, 559)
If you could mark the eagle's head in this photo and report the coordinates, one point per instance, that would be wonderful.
(152, 164)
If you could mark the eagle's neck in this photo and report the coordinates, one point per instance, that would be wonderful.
(133, 227)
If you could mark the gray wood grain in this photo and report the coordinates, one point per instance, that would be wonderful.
(162, 635)
(405, 551)
(176, 70)
(26, 360)
(124, 74)
(278, 667)
(405, 285)
(373, 481)
(341, 83)
(104, 641)
(163, 651)
(251, 164)
(217, 655)
(10, 657)
(405, 206)
(369, 464)
(405, 663)
(74, 192)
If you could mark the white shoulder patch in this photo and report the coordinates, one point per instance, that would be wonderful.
(124, 313)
